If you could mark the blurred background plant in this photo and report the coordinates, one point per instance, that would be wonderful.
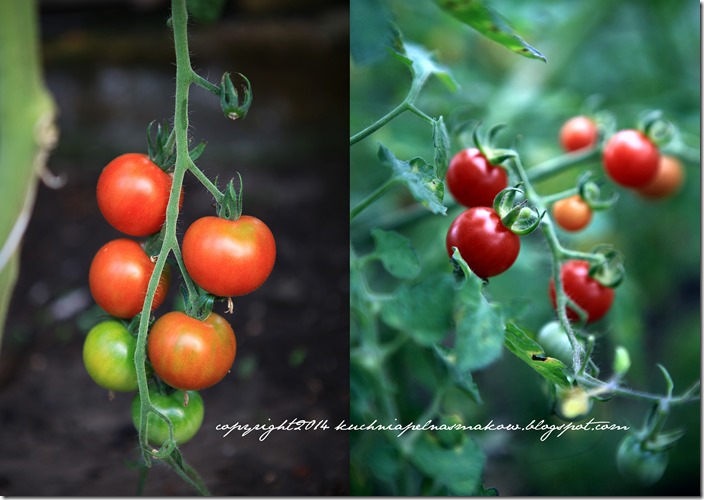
(628, 56)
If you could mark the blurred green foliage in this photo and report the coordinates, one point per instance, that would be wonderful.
(629, 56)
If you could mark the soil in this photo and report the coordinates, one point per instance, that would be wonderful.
(60, 434)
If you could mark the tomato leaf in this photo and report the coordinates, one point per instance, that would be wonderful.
(419, 177)
(479, 326)
(370, 31)
(462, 379)
(459, 469)
(441, 143)
(479, 15)
(551, 369)
(422, 310)
(396, 254)
(422, 63)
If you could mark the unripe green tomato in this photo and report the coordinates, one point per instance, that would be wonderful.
(639, 465)
(108, 355)
(553, 338)
(185, 419)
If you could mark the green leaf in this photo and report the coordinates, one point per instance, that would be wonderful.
(459, 469)
(423, 310)
(479, 327)
(396, 254)
(441, 143)
(551, 369)
(480, 16)
(420, 179)
(205, 11)
(422, 63)
(370, 31)
(462, 379)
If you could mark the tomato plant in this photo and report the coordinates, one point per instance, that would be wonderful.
(572, 213)
(488, 247)
(119, 276)
(639, 464)
(186, 415)
(631, 159)
(133, 193)
(229, 257)
(590, 295)
(579, 132)
(190, 354)
(472, 180)
(667, 181)
(108, 355)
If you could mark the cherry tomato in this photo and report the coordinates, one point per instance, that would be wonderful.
(488, 247)
(586, 292)
(119, 276)
(572, 213)
(638, 464)
(186, 419)
(473, 181)
(133, 193)
(667, 181)
(108, 355)
(227, 257)
(190, 354)
(553, 339)
(631, 159)
(579, 132)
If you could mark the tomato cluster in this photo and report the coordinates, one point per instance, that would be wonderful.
(223, 257)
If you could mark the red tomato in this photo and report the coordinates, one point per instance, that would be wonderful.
(667, 181)
(190, 354)
(133, 193)
(119, 276)
(631, 159)
(586, 292)
(488, 247)
(578, 132)
(473, 181)
(227, 257)
(572, 213)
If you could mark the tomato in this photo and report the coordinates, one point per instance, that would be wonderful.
(554, 340)
(631, 159)
(186, 419)
(572, 213)
(119, 276)
(667, 181)
(572, 404)
(638, 464)
(133, 194)
(579, 132)
(586, 292)
(488, 247)
(473, 181)
(191, 354)
(108, 355)
(227, 257)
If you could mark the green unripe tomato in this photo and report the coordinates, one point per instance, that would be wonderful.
(185, 419)
(638, 464)
(108, 355)
(553, 338)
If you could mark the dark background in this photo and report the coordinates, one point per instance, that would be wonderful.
(110, 67)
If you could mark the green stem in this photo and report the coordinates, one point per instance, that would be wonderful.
(561, 163)
(198, 173)
(378, 193)
(379, 123)
(204, 83)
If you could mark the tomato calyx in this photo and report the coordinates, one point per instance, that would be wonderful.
(161, 146)
(609, 270)
(230, 100)
(198, 305)
(590, 191)
(494, 155)
(229, 207)
(519, 218)
(656, 127)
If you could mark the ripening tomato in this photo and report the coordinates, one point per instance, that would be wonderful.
(667, 181)
(631, 159)
(119, 276)
(585, 291)
(579, 132)
(488, 247)
(133, 194)
(473, 181)
(190, 354)
(572, 213)
(186, 418)
(108, 355)
(229, 257)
